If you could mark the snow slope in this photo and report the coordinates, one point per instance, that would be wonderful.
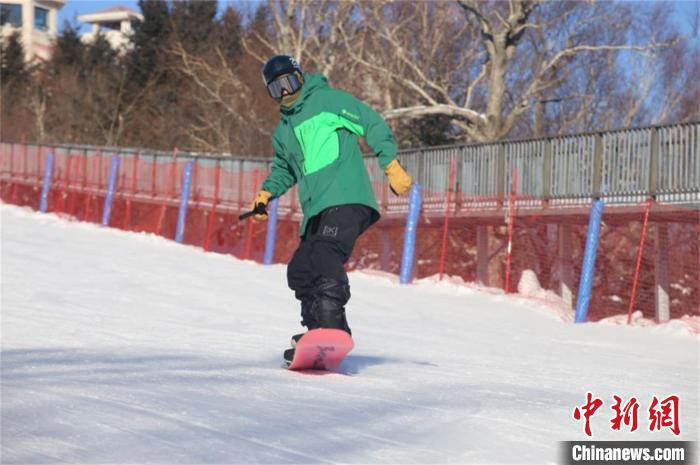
(119, 347)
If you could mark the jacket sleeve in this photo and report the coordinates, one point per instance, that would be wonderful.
(281, 176)
(363, 121)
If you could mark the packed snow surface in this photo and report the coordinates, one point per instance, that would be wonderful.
(128, 348)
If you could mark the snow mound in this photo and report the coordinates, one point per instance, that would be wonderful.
(685, 325)
(529, 284)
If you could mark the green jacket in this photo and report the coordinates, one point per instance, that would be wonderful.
(316, 147)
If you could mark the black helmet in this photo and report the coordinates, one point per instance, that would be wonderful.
(281, 65)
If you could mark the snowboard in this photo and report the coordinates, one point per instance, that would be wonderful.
(321, 349)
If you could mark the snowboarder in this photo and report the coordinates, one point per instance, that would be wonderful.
(316, 148)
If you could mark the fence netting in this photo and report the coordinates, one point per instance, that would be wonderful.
(648, 258)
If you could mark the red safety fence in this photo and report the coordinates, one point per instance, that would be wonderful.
(648, 259)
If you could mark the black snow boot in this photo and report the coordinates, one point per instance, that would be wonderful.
(325, 309)
(296, 338)
(307, 316)
(307, 319)
(328, 308)
(288, 356)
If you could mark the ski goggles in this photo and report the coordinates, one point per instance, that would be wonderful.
(288, 82)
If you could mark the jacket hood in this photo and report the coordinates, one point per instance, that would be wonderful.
(312, 83)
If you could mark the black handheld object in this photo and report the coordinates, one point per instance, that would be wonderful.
(258, 210)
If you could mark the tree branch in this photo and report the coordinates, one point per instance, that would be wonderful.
(418, 111)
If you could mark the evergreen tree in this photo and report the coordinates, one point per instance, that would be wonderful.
(434, 130)
(194, 21)
(15, 82)
(150, 37)
(260, 25)
(70, 49)
(12, 66)
(100, 53)
(230, 33)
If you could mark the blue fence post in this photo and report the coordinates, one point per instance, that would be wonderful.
(588, 268)
(114, 171)
(409, 240)
(48, 172)
(184, 198)
(271, 232)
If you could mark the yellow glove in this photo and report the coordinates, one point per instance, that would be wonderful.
(260, 204)
(399, 180)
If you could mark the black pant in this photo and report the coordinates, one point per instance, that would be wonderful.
(316, 272)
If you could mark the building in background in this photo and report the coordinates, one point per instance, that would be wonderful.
(36, 20)
(116, 24)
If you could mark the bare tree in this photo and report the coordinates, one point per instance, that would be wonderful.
(310, 30)
(463, 69)
(219, 102)
(622, 88)
(505, 60)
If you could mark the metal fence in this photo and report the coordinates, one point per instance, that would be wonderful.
(621, 167)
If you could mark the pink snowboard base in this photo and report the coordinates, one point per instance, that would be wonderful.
(321, 349)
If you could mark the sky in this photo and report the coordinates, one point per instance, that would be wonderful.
(685, 11)
(75, 8)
